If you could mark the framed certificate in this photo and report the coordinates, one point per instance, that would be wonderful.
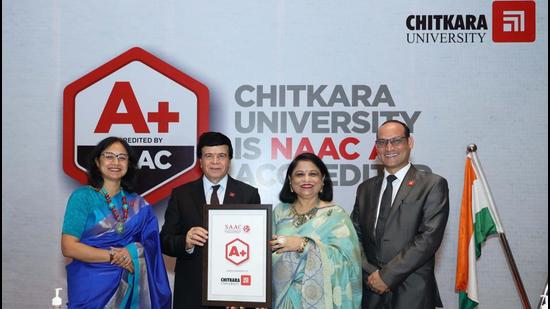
(237, 257)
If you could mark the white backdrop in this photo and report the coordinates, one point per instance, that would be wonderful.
(493, 94)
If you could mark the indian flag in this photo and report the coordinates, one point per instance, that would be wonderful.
(478, 220)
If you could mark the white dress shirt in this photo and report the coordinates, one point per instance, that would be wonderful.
(208, 188)
(396, 184)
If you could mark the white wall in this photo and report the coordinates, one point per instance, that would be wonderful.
(492, 94)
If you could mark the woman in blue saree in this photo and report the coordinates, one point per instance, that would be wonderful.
(316, 252)
(112, 236)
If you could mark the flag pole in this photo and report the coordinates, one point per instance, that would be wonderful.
(472, 148)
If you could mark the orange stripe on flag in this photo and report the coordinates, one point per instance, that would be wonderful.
(465, 228)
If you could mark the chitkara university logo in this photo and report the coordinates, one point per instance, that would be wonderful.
(159, 110)
(246, 279)
(514, 21)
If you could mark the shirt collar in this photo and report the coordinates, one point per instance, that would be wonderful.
(208, 184)
(401, 173)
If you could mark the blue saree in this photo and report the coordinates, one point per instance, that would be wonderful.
(328, 273)
(103, 285)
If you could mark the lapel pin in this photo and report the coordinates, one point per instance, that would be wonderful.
(231, 194)
(410, 183)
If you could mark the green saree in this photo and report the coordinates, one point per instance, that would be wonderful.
(328, 273)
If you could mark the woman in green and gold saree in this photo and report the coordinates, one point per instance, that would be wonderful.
(316, 253)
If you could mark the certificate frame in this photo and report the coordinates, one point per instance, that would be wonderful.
(229, 277)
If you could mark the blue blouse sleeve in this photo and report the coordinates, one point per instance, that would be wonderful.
(76, 214)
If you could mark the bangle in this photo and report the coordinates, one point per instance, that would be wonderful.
(111, 255)
(305, 240)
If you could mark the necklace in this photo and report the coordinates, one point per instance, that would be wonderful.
(300, 219)
(119, 226)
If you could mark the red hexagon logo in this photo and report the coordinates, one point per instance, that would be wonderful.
(158, 109)
(237, 251)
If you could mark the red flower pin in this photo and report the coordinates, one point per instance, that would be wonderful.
(410, 183)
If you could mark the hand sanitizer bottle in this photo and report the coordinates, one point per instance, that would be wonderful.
(56, 301)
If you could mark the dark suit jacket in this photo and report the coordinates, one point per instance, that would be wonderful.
(184, 211)
(413, 232)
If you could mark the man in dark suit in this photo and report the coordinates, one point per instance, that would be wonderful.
(400, 217)
(182, 234)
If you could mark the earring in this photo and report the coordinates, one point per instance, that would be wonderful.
(290, 185)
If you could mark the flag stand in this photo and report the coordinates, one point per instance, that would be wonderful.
(543, 303)
(472, 148)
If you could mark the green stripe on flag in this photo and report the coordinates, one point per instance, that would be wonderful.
(484, 227)
(464, 302)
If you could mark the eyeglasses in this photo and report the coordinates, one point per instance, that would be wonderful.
(111, 156)
(396, 141)
(211, 156)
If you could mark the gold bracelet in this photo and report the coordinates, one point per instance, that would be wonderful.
(303, 245)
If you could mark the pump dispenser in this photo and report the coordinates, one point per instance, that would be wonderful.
(56, 301)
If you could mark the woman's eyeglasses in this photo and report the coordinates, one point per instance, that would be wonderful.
(111, 156)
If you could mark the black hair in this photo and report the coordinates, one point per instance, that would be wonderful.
(214, 139)
(287, 196)
(95, 178)
(407, 130)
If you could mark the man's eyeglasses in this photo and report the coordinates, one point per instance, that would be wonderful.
(111, 156)
(396, 141)
(211, 156)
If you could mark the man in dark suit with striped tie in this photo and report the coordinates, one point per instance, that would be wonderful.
(182, 235)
